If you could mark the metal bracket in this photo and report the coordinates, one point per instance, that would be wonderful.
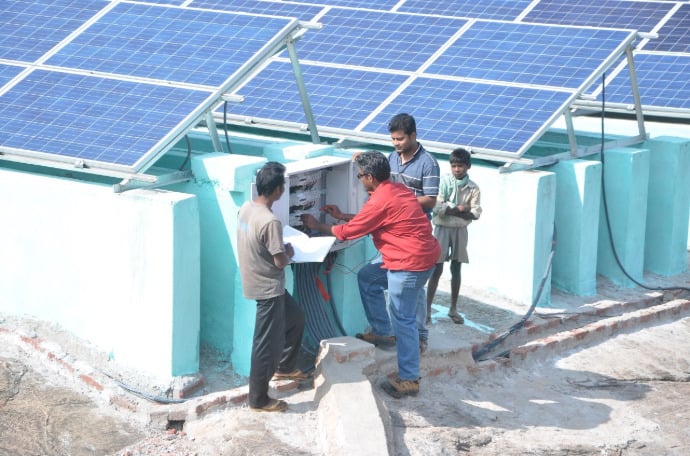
(160, 181)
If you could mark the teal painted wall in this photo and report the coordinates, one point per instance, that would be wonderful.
(156, 268)
(509, 245)
(668, 210)
(578, 198)
(118, 270)
(626, 183)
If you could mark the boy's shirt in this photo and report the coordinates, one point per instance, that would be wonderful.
(454, 192)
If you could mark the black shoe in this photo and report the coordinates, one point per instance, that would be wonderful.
(423, 345)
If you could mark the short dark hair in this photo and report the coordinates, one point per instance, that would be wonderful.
(375, 164)
(461, 155)
(404, 122)
(270, 177)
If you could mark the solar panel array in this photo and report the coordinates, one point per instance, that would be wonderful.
(492, 85)
(116, 83)
(111, 86)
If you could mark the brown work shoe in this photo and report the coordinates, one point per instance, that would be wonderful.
(386, 341)
(399, 388)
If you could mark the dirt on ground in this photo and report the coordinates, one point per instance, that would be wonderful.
(629, 395)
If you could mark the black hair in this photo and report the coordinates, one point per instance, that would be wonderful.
(270, 177)
(461, 155)
(404, 122)
(375, 164)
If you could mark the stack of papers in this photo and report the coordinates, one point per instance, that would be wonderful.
(307, 249)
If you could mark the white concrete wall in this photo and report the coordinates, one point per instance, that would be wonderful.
(510, 244)
(119, 270)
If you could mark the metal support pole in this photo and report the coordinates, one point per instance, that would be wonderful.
(306, 105)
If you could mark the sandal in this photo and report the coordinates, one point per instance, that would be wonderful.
(274, 405)
(457, 319)
(294, 375)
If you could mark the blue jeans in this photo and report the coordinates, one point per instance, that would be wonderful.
(403, 292)
(372, 280)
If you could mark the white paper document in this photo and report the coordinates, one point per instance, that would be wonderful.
(307, 249)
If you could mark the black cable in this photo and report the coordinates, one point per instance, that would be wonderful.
(136, 392)
(189, 152)
(318, 322)
(330, 261)
(606, 210)
(225, 126)
(478, 355)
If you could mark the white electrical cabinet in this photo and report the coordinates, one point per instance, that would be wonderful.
(314, 182)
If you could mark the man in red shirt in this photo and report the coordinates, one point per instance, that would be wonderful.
(402, 233)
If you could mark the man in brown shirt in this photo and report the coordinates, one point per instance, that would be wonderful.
(262, 257)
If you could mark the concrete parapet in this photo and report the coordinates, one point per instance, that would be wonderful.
(351, 419)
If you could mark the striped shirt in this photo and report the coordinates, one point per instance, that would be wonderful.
(421, 174)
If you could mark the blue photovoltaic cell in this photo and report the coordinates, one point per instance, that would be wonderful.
(31, 28)
(638, 15)
(486, 116)
(382, 5)
(172, 44)
(340, 98)
(662, 80)
(484, 9)
(377, 39)
(302, 12)
(7, 72)
(167, 2)
(674, 36)
(91, 118)
(528, 53)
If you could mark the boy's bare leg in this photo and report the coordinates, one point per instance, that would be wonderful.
(455, 280)
(431, 287)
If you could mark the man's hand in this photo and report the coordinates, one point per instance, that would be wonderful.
(289, 250)
(333, 211)
(309, 221)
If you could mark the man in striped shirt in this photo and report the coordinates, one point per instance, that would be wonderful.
(419, 171)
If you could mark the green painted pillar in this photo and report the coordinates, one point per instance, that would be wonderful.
(624, 210)
(668, 206)
(578, 198)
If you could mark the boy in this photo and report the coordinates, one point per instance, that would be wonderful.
(458, 204)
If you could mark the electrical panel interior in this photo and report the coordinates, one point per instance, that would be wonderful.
(314, 182)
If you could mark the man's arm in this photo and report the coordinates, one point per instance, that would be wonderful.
(282, 259)
(427, 202)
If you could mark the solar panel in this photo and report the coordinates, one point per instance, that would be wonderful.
(169, 44)
(483, 74)
(480, 115)
(638, 15)
(529, 54)
(277, 8)
(113, 85)
(382, 5)
(485, 9)
(674, 35)
(489, 85)
(339, 97)
(662, 81)
(31, 28)
(7, 72)
(90, 118)
(377, 39)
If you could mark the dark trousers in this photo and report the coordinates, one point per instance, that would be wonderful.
(277, 339)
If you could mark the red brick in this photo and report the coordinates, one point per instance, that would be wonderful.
(124, 403)
(439, 371)
(91, 382)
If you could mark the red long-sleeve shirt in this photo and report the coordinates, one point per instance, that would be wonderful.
(399, 228)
